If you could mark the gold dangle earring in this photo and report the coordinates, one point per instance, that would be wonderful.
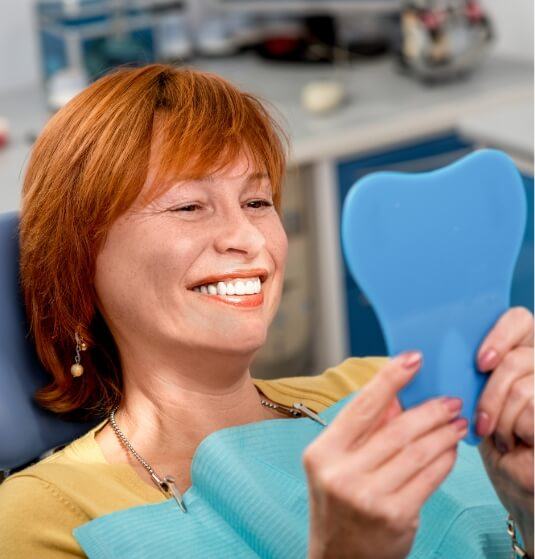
(77, 369)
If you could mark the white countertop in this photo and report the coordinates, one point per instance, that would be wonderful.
(509, 128)
(383, 107)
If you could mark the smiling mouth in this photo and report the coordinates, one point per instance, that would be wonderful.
(238, 292)
(237, 287)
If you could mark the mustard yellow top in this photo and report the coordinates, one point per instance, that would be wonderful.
(42, 504)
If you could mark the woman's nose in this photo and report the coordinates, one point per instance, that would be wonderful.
(238, 233)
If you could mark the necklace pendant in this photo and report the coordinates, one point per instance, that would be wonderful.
(170, 487)
(301, 407)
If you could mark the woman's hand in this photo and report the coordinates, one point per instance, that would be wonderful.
(505, 415)
(371, 470)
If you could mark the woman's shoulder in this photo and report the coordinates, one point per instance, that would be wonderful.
(59, 470)
(328, 387)
(41, 504)
(80, 474)
(37, 518)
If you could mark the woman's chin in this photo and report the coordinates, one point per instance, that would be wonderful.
(240, 343)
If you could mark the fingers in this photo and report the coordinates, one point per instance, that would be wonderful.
(397, 466)
(393, 410)
(523, 427)
(513, 328)
(418, 455)
(516, 364)
(425, 482)
(403, 432)
(518, 397)
(358, 418)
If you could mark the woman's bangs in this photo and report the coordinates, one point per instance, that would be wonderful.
(212, 151)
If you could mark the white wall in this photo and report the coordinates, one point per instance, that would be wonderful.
(19, 62)
(513, 20)
(19, 65)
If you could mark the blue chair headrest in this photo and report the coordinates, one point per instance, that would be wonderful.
(26, 430)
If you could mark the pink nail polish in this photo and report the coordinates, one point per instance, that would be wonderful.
(454, 405)
(487, 359)
(460, 424)
(410, 359)
(482, 423)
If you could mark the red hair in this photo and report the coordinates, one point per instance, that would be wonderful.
(87, 167)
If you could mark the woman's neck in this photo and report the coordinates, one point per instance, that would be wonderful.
(165, 416)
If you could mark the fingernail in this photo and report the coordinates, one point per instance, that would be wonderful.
(482, 423)
(410, 359)
(501, 445)
(454, 405)
(486, 360)
(460, 424)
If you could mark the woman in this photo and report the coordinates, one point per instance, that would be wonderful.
(152, 263)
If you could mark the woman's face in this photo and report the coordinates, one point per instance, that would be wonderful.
(214, 232)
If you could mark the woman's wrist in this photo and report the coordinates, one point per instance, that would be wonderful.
(518, 501)
(522, 526)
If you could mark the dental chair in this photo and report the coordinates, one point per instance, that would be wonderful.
(27, 431)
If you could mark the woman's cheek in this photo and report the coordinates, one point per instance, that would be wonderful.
(280, 263)
(282, 243)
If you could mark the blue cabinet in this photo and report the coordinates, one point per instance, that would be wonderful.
(424, 155)
(522, 289)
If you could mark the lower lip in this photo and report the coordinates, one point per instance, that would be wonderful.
(243, 301)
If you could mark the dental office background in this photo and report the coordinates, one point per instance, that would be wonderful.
(361, 86)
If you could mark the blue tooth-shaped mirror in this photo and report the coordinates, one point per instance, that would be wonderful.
(434, 253)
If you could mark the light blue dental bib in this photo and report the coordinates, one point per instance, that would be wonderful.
(249, 499)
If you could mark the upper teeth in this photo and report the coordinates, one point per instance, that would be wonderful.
(234, 287)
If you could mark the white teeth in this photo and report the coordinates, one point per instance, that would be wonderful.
(212, 289)
(234, 287)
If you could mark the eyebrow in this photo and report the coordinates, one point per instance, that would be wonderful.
(250, 178)
(257, 177)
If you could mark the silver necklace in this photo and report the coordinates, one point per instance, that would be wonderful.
(167, 485)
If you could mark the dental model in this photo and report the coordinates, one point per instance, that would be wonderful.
(434, 253)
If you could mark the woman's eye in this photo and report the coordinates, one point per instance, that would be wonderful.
(260, 203)
(255, 204)
(188, 208)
